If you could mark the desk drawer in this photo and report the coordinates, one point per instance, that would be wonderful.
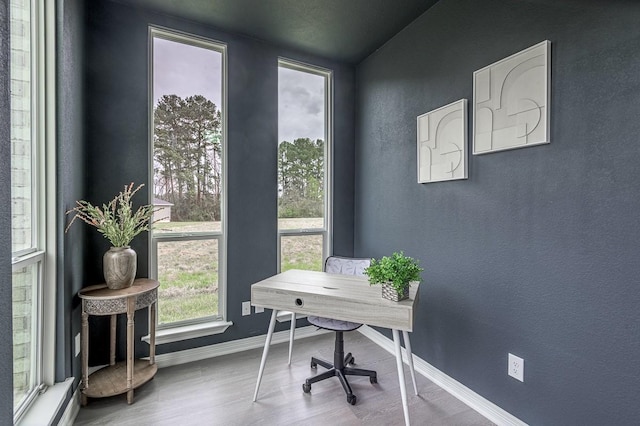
(377, 312)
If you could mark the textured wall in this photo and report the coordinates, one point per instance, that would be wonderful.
(71, 180)
(118, 148)
(6, 345)
(537, 252)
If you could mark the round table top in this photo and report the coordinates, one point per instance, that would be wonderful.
(102, 292)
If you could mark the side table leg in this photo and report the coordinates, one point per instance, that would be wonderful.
(130, 327)
(403, 390)
(265, 352)
(153, 312)
(112, 341)
(85, 356)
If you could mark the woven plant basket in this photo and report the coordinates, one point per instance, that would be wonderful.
(388, 292)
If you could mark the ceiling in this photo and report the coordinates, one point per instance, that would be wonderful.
(342, 30)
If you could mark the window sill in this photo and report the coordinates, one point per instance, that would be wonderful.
(46, 406)
(177, 334)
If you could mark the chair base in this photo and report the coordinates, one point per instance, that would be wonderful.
(339, 369)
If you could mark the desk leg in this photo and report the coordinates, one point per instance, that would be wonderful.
(265, 352)
(403, 390)
(407, 345)
(131, 305)
(292, 333)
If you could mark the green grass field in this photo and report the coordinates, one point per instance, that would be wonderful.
(188, 270)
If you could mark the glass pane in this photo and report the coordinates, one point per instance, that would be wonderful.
(21, 134)
(24, 332)
(301, 252)
(188, 275)
(187, 139)
(301, 150)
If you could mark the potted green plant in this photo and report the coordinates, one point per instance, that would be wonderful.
(118, 223)
(395, 273)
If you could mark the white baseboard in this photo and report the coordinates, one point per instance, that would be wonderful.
(483, 406)
(234, 346)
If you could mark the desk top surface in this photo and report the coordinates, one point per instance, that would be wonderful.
(344, 297)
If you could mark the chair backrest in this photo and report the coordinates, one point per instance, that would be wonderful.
(346, 265)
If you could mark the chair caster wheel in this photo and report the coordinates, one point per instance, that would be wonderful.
(351, 399)
(314, 365)
(352, 361)
(373, 380)
(306, 388)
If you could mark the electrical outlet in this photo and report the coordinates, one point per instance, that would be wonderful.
(516, 367)
(259, 309)
(77, 344)
(246, 308)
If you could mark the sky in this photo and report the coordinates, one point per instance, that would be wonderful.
(183, 70)
(300, 105)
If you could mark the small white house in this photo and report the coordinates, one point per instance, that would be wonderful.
(163, 210)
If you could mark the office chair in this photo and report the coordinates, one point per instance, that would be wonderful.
(339, 367)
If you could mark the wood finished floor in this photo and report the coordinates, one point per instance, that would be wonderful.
(219, 391)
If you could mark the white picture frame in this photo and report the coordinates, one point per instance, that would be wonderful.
(442, 143)
(511, 101)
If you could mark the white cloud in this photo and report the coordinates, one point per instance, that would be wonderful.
(184, 70)
(300, 105)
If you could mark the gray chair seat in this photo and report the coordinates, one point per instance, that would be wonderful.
(333, 324)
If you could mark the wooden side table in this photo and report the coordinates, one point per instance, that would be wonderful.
(127, 375)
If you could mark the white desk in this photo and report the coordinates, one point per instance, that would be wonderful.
(343, 297)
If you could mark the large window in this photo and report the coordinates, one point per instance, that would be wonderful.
(188, 238)
(31, 136)
(304, 159)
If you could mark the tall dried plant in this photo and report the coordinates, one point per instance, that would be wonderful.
(116, 221)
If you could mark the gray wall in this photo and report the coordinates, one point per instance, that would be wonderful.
(537, 252)
(118, 148)
(71, 180)
(6, 338)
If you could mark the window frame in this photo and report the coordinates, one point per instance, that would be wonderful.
(327, 230)
(214, 324)
(44, 214)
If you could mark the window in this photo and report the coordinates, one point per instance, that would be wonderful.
(32, 241)
(188, 146)
(304, 160)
